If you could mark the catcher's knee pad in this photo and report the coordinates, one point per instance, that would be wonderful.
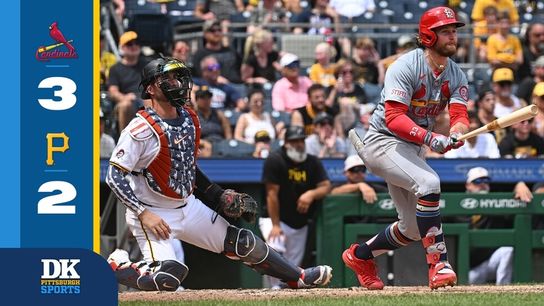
(167, 277)
(243, 245)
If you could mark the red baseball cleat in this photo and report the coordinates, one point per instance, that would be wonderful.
(441, 275)
(366, 271)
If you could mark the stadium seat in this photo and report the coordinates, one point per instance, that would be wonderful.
(153, 30)
(135, 7)
(301, 45)
(232, 148)
(278, 116)
(368, 20)
(181, 12)
(232, 116)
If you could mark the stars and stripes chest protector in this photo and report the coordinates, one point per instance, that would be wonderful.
(172, 172)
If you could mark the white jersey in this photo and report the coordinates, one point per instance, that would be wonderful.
(410, 81)
(501, 110)
(485, 147)
(139, 145)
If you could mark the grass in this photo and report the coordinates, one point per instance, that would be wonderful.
(432, 298)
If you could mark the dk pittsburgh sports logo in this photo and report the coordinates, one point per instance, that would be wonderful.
(54, 51)
(59, 276)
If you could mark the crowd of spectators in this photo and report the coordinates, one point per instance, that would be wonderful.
(263, 88)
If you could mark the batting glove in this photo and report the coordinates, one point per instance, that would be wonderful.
(454, 143)
(438, 142)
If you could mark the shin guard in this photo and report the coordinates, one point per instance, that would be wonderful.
(243, 245)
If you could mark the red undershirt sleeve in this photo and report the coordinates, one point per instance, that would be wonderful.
(458, 113)
(399, 123)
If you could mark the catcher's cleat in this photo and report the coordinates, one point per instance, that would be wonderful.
(312, 277)
(441, 275)
(366, 270)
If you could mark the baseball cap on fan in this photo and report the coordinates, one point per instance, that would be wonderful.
(353, 161)
(538, 91)
(289, 60)
(503, 75)
(126, 37)
(203, 92)
(294, 132)
(262, 136)
(405, 41)
(209, 24)
(476, 173)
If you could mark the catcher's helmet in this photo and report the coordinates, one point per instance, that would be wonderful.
(159, 69)
(432, 19)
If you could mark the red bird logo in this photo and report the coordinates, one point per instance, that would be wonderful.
(56, 34)
(420, 93)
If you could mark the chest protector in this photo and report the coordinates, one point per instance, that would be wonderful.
(172, 172)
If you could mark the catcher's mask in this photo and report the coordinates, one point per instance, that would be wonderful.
(172, 77)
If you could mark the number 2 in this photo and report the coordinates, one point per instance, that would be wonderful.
(48, 205)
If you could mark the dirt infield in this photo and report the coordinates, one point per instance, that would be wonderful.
(265, 294)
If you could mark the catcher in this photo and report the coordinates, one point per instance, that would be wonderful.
(154, 174)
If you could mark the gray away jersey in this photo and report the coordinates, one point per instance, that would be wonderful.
(410, 80)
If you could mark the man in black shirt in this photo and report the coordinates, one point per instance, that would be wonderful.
(295, 183)
(521, 142)
(213, 45)
(124, 79)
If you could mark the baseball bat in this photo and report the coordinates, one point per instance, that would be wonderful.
(47, 48)
(521, 114)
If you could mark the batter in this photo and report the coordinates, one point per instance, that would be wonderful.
(418, 86)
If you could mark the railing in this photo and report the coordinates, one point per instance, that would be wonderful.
(224, 170)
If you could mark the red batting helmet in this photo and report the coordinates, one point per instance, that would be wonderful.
(432, 19)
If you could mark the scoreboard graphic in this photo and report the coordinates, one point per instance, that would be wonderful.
(50, 226)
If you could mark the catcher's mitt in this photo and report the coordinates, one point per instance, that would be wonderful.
(236, 205)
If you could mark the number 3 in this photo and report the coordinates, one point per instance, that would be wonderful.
(66, 93)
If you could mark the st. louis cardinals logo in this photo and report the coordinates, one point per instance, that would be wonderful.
(53, 51)
(463, 92)
(449, 13)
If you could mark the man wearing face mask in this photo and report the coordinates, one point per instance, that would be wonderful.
(295, 183)
(491, 265)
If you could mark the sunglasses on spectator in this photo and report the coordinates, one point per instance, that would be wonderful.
(214, 29)
(357, 169)
(213, 67)
(131, 43)
(504, 83)
(481, 180)
(293, 65)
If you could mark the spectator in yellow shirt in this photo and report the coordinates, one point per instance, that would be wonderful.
(503, 48)
(483, 29)
(501, 5)
(322, 72)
